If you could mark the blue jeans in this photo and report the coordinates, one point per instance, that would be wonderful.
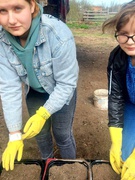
(128, 134)
(59, 125)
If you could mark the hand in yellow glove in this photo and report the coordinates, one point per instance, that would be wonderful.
(14, 148)
(128, 170)
(115, 151)
(35, 123)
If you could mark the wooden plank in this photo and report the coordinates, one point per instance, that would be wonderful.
(97, 16)
(94, 16)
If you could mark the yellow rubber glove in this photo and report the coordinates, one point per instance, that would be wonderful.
(35, 123)
(14, 148)
(115, 151)
(128, 170)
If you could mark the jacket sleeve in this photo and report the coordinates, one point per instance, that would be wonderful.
(11, 94)
(65, 72)
(116, 71)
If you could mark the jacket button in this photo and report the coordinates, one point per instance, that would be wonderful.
(43, 74)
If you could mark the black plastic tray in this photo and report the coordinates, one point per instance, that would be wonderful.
(60, 162)
(29, 162)
(46, 165)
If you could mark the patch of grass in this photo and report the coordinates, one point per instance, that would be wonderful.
(83, 25)
(86, 29)
(77, 25)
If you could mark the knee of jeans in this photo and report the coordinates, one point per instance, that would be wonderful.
(61, 141)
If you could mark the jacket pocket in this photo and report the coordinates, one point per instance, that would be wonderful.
(20, 70)
(46, 69)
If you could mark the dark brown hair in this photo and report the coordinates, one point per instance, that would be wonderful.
(121, 18)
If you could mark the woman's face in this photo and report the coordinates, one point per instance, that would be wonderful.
(16, 16)
(129, 30)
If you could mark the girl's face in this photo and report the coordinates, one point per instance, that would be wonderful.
(129, 30)
(16, 16)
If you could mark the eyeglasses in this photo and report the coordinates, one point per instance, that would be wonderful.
(122, 38)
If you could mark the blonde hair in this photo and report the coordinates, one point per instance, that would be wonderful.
(36, 10)
(121, 18)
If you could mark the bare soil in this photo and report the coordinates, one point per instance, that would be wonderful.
(90, 123)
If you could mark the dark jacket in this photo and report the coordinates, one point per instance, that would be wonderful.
(57, 8)
(117, 95)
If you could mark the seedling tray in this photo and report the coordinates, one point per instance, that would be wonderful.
(51, 162)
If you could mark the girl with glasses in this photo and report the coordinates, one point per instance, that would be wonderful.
(121, 86)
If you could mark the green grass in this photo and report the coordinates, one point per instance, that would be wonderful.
(77, 25)
(83, 25)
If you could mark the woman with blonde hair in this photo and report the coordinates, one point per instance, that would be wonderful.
(39, 51)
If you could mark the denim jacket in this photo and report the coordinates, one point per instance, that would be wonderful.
(54, 63)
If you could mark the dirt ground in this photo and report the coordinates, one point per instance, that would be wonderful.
(90, 123)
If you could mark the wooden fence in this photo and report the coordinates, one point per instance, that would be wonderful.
(97, 16)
